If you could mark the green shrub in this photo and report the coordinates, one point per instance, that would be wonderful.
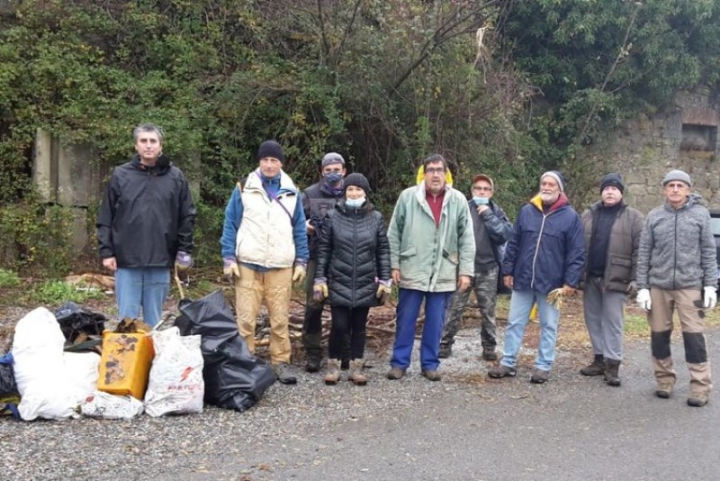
(57, 292)
(9, 278)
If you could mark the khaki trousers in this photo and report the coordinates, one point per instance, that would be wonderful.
(274, 288)
(688, 304)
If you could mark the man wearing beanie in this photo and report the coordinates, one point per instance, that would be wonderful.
(432, 254)
(318, 200)
(612, 238)
(545, 254)
(264, 250)
(677, 269)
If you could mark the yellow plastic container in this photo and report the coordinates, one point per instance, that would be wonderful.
(125, 364)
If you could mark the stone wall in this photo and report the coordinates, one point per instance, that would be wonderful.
(682, 136)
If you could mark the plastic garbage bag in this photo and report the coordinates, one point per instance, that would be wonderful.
(109, 406)
(9, 396)
(234, 378)
(74, 320)
(176, 377)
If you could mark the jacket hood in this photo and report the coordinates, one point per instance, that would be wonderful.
(162, 166)
(562, 201)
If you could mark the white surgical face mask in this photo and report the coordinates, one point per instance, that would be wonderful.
(481, 200)
(355, 202)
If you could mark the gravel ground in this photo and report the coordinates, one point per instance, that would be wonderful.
(181, 447)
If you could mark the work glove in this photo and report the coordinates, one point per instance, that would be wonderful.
(383, 291)
(643, 299)
(710, 297)
(230, 269)
(320, 289)
(183, 261)
(299, 272)
(631, 288)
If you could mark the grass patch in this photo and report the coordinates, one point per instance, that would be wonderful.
(9, 279)
(636, 325)
(57, 292)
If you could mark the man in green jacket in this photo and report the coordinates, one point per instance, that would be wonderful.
(432, 253)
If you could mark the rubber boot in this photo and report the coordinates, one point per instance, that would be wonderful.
(611, 372)
(356, 374)
(596, 368)
(332, 376)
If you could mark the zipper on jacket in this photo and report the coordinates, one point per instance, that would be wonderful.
(675, 251)
(537, 249)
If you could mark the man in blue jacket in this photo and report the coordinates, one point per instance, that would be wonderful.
(265, 249)
(145, 227)
(546, 252)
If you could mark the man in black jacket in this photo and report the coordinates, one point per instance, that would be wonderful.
(145, 226)
(492, 229)
(319, 199)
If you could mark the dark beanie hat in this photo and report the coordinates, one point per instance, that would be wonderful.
(358, 180)
(614, 180)
(270, 148)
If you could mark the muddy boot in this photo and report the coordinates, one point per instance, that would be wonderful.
(283, 375)
(313, 362)
(611, 372)
(445, 351)
(596, 368)
(356, 374)
(332, 376)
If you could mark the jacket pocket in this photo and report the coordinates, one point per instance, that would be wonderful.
(451, 256)
(409, 252)
(620, 269)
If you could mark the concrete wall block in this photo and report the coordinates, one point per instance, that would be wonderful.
(42, 168)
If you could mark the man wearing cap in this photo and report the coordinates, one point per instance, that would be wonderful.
(264, 249)
(677, 270)
(318, 200)
(612, 238)
(492, 229)
(545, 254)
(432, 254)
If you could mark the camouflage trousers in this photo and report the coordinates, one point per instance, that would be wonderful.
(484, 283)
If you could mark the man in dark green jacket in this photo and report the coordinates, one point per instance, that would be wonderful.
(612, 238)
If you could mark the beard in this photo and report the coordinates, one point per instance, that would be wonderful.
(549, 198)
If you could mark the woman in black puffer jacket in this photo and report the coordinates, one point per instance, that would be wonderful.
(353, 270)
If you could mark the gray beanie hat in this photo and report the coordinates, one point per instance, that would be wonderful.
(677, 175)
(332, 158)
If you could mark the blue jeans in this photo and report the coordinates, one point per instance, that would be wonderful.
(521, 303)
(147, 287)
(408, 308)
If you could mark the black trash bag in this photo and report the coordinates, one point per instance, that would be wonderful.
(74, 320)
(234, 378)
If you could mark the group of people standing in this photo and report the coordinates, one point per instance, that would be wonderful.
(437, 248)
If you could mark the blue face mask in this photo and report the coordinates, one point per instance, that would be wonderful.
(333, 178)
(481, 200)
(355, 203)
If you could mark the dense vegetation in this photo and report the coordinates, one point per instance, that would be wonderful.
(384, 82)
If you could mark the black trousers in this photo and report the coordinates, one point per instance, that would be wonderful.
(348, 324)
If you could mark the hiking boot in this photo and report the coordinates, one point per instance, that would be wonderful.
(595, 368)
(395, 373)
(499, 372)
(489, 354)
(282, 373)
(332, 376)
(539, 376)
(611, 372)
(698, 399)
(313, 363)
(431, 375)
(664, 390)
(356, 374)
(445, 351)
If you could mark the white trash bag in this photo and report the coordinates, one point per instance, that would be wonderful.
(44, 382)
(109, 406)
(176, 384)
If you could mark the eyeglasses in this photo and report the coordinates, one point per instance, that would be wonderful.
(481, 189)
(435, 170)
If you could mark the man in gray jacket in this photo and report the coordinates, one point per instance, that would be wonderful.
(677, 269)
(612, 239)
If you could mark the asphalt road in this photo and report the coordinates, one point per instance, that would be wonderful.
(571, 428)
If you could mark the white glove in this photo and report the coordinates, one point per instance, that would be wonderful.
(710, 297)
(643, 299)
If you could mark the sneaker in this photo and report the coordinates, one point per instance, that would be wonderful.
(312, 364)
(539, 376)
(282, 372)
(431, 375)
(698, 399)
(395, 373)
(664, 390)
(489, 354)
(501, 371)
(445, 351)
